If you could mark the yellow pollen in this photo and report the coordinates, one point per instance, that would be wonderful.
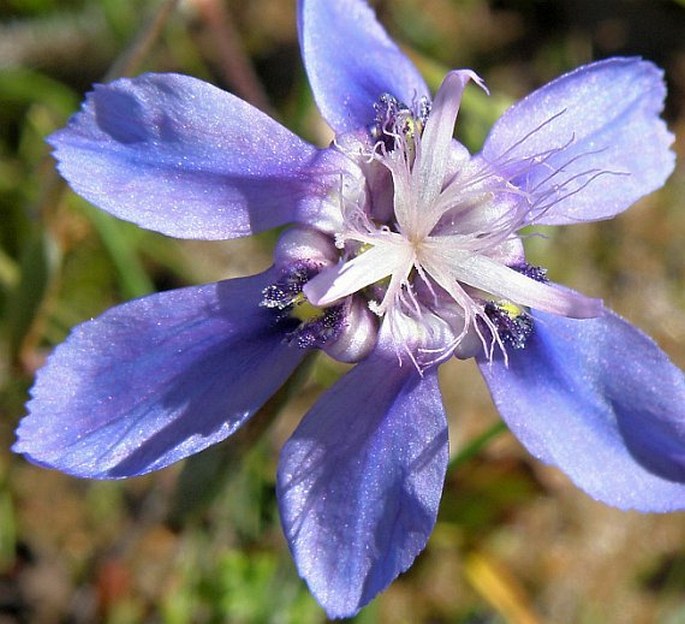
(303, 310)
(510, 309)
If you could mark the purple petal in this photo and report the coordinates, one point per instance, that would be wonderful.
(360, 480)
(601, 401)
(155, 380)
(351, 61)
(179, 156)
(589, 144)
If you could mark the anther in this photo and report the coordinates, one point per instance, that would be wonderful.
(513, 324)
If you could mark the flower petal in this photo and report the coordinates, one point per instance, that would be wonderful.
(589, 144)
(343, 279)
(360, 481)
(155, 380)
(179, 156)
(351, 62)
(447, 264)
(601, 401)
(437, 143)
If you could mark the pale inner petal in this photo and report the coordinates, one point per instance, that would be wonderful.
(441, 257)
(433, 153)
(369, 267)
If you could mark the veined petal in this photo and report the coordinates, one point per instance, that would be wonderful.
(351, 62)
(601, 401)
(343, 279)
(360, 480)
(155, 380)
(179, 156)
(589, 144)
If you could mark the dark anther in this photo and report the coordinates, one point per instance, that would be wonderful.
(320, 330)
(537, 273)
(394, 118)
(285, 291)
(514, 325)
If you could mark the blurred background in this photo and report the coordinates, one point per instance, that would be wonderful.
(200, 542)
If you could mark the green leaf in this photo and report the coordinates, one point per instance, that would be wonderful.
(38, 264)
(122, 248)
(21, 86)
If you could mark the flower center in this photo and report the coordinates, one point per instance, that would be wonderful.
(430, 232)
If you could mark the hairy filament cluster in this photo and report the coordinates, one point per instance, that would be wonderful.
(429, 237)
(404, 261)
(558, 185)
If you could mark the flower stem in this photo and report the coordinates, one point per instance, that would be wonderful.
(128, 63)
(476, 445)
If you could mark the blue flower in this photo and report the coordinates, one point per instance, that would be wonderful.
(403, 250)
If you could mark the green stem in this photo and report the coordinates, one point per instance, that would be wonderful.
(131, 59)
(476, 445)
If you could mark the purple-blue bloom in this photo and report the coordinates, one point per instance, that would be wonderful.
(402, 250)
